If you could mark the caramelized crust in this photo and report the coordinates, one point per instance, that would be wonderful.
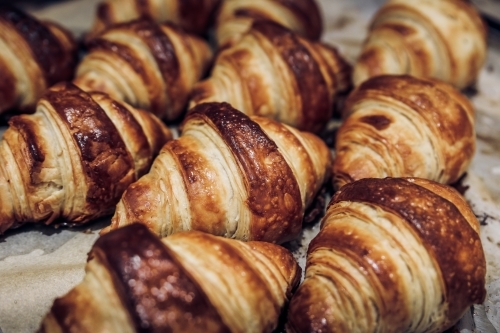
(229, 175)
(191, 15)
(148, 65)
(188, 282)
(402, 256)
(273, 72)
(443, 39)
(74, 157)
(35, 55)
(401, 126)
(235, 17)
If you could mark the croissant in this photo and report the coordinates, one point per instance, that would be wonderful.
(188, 282)
(147, 65)
(275, 73)
(442, 39)
(34, 55)
(235, 17)
(73, 157)
(400, 126)
(393, 255)
(191, 15)
(229, 175)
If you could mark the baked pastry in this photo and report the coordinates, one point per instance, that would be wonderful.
(235, 17)
(148, 65)
(441, 39)
(393, 255)
(34, 55)
(188, 282)
(229, 175)
(401, 126)
(273, 72)
(191, 15)
(73, 158)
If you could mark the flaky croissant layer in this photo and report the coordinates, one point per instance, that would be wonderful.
(34, 55)
(393, 255)
(229, 175)
(441, 39)
(272, 72)
(148, 65)
(191, 15)
(188, 282)
(74, 157)
(401, 126)
(235, 17)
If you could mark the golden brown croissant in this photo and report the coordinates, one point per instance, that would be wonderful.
(191, 15)
(393, 255)
(229, 175)
(273, 72)
(147, 65)
(34, 55)
(400, 126)
(188, 282)
(235, 17)
(442, 39)
(73, 157)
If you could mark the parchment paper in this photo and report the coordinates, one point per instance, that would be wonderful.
(40, 263)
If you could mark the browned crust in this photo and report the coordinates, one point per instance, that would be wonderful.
(273, 192)
(309, 14)
(104, 156)
(197, 20)
(446, 234)
(45, 47)
(313, 89)
(153, 285)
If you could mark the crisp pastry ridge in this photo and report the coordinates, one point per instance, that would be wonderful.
(229, 175)
(402, 126)
(393, 255)
(73, 158)
(275, 73)
(187, 282)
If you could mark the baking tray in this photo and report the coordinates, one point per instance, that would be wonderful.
(40, 263)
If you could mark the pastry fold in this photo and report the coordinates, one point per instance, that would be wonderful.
(401, 126)
(393, 255)
(73, 158)
(273, 72)
(34, 55)
(188, 282)
(441, 39)
(229, 175)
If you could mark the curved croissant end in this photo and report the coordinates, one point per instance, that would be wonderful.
(235, 18)
(393, 255)
(188, 282)
(442, 39)
(229, 175)
(273, 72)
(191, 15)
(73, 157)
(400, 126)
(147, 65)
(34, 55)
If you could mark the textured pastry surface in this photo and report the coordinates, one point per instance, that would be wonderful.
(148, 65)
(73, 158)
(272, 72)
(33, 56)
(393, 255)
(188, 282)
(400, 126)
(442, 39)
(191, 15)
(235, 17)
(229, 175)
